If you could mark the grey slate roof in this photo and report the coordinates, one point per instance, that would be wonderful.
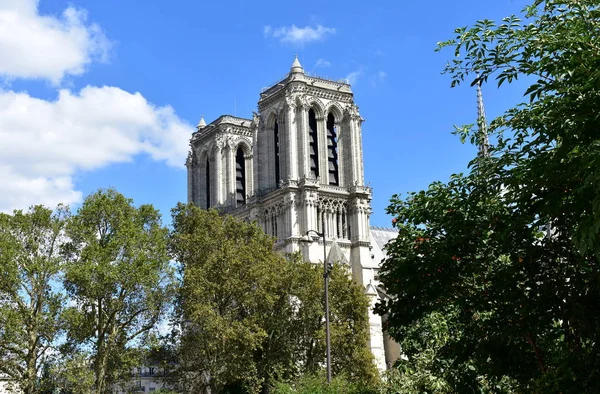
(379, 238)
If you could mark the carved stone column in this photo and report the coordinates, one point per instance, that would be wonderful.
(302, 134)
(291, 158)
(361, 166)
(352, 119)
(230, 177)
(322, 145)
(340, 153)
(256, 123)
(217, 174)
(248, 161)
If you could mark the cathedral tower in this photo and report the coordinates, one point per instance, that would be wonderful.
(297, 165)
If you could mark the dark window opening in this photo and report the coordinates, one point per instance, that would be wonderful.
(313, 144)
(276, 141)
(332, 156)
(207, 186)
(273, 219)
(240, 177)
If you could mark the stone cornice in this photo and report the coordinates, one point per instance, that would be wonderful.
(307, 85)
(227, 123)
(222, 129)
(361, 243)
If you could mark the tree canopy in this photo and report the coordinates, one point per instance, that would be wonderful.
(118, 278)
(250, 316)
(508, 254)
(30, 306)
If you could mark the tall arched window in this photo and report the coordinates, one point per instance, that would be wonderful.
(332, 156)
(240, 177)
(313, 144)
(207, 186)
(276, 142)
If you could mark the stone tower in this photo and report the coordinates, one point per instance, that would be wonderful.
(297, 165)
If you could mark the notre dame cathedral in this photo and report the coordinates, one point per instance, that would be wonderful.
(297, 165)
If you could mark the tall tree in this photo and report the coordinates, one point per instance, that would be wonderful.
(252, 316)
(118, 277)
(30, 306)
(512, 249)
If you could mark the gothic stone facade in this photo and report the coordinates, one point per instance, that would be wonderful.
(297, 165)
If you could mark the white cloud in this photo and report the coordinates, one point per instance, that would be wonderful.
(323, 63)
(298, 35)
(378, 78)
(35, 46)
(353, 77)
(44, 143)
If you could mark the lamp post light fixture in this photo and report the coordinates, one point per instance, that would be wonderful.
(307, 238)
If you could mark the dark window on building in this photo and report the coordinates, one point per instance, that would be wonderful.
(276, 142)
(207, 183)
(240, 177)
(313, 144)
(332, 156)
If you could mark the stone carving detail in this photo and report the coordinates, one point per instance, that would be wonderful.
(351, 112)
(189, 161)
(290, 200)
(220, 141)
(290, 101)
(255, 120)
(303, 103)
(334, 212)
(231, 141)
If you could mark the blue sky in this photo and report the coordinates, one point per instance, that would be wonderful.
(105, 93)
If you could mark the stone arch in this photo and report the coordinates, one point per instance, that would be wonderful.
(336, 110)
(244, 144)
(281, 118)
(203, 181)
(203, 153)
(318, 106)
(270, 117)
(267, 149)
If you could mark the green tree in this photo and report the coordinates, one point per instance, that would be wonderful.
(317, 384)
(119, 280)
(30, 307)
(510, 251)
(72, 374)
(252, 316)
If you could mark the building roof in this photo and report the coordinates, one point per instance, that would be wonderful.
(379, 237)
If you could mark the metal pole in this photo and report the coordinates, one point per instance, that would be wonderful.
(326, 280)
(326, 277)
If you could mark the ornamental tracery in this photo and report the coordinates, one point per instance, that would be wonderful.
(332, 217)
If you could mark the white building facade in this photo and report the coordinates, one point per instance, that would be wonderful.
(296, 166)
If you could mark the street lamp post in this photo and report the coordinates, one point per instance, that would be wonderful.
(326, 279)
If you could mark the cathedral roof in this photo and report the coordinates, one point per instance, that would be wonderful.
(380, 236)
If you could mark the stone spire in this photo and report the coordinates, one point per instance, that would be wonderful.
(296, 67)
(482, 131)
(201, 124)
